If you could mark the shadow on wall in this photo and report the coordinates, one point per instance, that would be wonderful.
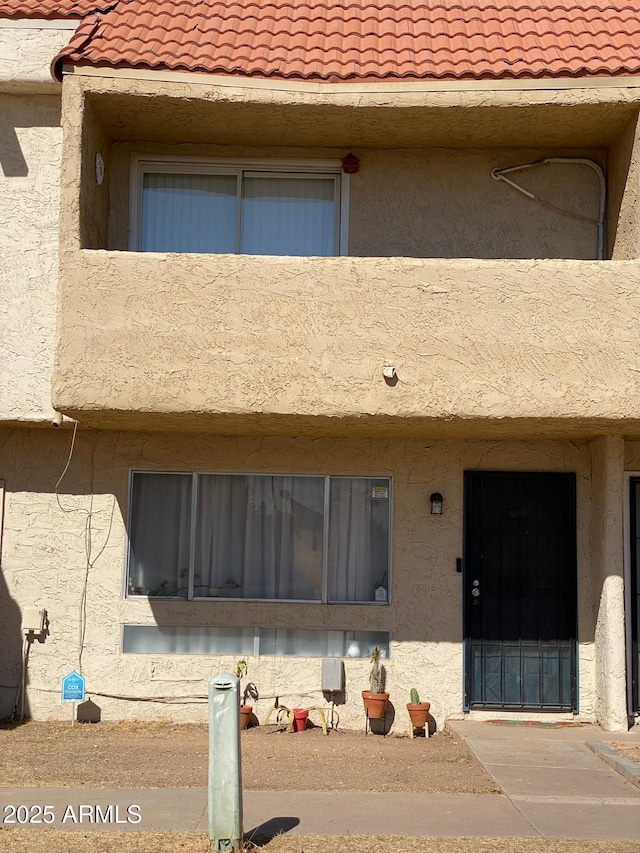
(31, 463)
(11, 157)
(10, 655)
(43, 111)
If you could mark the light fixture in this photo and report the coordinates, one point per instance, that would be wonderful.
(350, 164)
(436, 503)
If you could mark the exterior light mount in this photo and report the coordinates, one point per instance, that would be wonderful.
(437, 503)
(350, 164)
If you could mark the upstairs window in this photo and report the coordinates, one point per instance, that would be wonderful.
(249, 208)
(248, 536)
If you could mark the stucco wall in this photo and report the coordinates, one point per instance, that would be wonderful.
(608, 580)
(30, 151)
(429, 203)
(44, 564)
(94, 198)
(624, 193)
(239, 335)
(445, 204)
(26, 52)
(138, 105)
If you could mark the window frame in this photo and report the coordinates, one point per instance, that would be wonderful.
(195, 474)
(142, 164)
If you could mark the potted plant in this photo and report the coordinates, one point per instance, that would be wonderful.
(300, 716)
(249, 691)
(231, 589)
(375, 700)
(418, 711)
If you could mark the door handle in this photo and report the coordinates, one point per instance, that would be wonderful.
(475, 591)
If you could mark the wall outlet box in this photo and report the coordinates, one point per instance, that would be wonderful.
(33, 620)
(332, 675)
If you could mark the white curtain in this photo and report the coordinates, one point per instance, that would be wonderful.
(259, 537)
(160, 534)
(358, 538)
(288, 216)
(189, 213)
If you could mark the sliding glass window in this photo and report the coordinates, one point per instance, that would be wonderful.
(280, 538)
(223, 209)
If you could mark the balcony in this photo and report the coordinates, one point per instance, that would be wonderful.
(493, 309)
(237, 343)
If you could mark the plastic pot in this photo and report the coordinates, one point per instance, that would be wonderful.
(300, 719)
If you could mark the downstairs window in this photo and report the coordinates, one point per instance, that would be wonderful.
(247, 536)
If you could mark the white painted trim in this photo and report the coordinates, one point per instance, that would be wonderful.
(191, 578)
(135, 185)
(38, 24)
(628, 475)
(343, 207)
(324, 593)
(232, 165)
(237, 82)
(141, 163)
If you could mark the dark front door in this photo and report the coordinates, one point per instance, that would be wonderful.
(520, 590)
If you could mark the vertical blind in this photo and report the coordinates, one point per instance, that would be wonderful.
(189, 213)
(256, 214)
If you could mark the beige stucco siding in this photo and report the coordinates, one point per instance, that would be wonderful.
(624, 193)
(211, 335)
(607, 557)
(30, 152)
(44, 564)
(445, 204)
(136, 105)
(26, 51)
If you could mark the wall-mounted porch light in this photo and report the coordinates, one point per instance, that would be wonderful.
(436, 503)
(350, 164)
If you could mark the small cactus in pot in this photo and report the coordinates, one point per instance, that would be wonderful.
(418, 711)
(375, 699)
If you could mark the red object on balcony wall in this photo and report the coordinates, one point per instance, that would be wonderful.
(350, 164)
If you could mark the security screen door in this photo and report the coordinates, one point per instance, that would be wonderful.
(520, 590)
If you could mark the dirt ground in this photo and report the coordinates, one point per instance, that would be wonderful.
(58, 841)
(175, 756)
(631, 753)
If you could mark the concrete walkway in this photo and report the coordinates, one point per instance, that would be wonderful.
(553, 786)
(554, 781)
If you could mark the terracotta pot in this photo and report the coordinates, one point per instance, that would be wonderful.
(375, 704)
(245, 715)
(419, 714)
(299, 719)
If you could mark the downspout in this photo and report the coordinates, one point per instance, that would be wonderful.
(499, 175)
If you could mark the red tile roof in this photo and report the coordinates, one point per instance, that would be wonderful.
(49, 9)
(349, 40)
